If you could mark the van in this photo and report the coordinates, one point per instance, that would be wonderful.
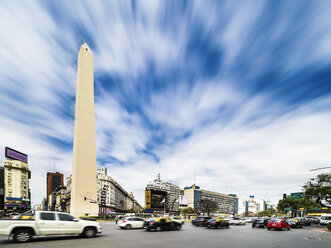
(325, 219)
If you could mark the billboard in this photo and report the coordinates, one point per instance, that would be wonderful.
(148, 199)
(11, 153)
(158, 199)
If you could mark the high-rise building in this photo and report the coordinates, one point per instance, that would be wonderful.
(162, 196)
(84, 185)
(16, 181)
(195, 195)
(54, 180)
(2, 188)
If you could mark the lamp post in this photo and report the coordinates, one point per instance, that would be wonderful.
(321, 168)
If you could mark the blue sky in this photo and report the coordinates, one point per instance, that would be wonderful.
(238, 91)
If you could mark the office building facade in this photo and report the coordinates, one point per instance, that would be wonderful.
(195, 195)
(54, 180)
(16, 181)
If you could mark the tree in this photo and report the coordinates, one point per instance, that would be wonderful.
(318, 190)
(263, 213)
(208, 206)
(187, 211)
(294, 204)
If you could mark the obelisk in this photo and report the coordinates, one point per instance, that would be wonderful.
(84, 185)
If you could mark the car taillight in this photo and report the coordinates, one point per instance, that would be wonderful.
(213, 222)
(123, 221)
(152, 223)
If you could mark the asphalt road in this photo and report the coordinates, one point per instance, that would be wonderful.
(189, 236)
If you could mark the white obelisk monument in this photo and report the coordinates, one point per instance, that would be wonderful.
(84, 184)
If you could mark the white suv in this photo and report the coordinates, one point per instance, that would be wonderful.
(131, 222)
(325, 219)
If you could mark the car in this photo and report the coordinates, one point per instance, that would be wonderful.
(178, 219)
(131, 222)
(260, 223)
(162, 224)
(46, 223)
(248, 220)
(278, 224)
(218, 223)
(325, 219)
(237, 221)
(305, 221)
(202, 221)
(294, 223)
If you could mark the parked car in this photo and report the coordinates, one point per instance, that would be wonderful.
(131, 222)
(162, 224)
(325, 219)
(294, 223)
(260, 223)
(278, 224)
(178, 219)
(45, 223)
(305, 221)
(218, 223)
(248, 219)
(202, 221)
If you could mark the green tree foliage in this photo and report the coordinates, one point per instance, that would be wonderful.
(295, 204)
(208, 206)
(264, 213)
(318, 190)
(188, 210)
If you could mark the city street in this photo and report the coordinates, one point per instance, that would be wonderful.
(189, 236)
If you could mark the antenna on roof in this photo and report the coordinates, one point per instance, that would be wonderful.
(194, 175)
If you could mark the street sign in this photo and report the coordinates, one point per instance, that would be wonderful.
(287, 209)
(297, 195)
(301, 208)
(93, 202)
(325, 208)
(316, 208)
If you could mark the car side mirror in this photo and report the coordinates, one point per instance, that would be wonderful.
(75, 220)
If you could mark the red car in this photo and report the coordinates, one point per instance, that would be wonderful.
(279, 224)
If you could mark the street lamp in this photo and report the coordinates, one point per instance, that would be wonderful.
(322, 168)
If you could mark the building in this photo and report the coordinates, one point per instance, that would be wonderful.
(54, 180)
(195, 195)
(255, 205)
(83, 185)
(111, 197)
(16, 181)
(68, 195)
(162, 196)
(2, 188)
(242, 206)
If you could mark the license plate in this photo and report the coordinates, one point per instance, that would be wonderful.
(273, 224)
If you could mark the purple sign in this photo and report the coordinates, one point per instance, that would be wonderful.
(11, 153)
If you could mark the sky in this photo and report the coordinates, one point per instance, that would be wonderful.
(232, 95)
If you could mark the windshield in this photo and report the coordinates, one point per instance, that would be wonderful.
(259, 221)
(275, 221)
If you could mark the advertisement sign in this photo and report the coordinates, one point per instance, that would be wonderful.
(13, 199)
(158, 199)
(297, 195)
(251, 196)
(11, 153)
(148, 199)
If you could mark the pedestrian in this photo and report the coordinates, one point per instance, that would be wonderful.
(116, 219)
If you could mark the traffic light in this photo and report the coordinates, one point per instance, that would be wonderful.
(284, 196)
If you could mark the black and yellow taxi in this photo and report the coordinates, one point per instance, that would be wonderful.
(162, 224)
(218, 223)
